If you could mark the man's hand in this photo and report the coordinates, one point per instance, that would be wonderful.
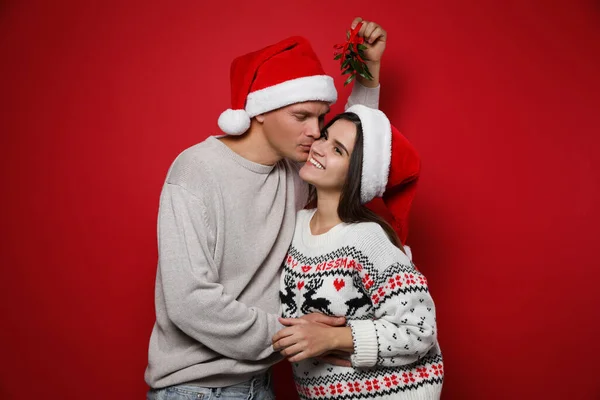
(375, 40)
(335, 357)
(324, 319)
(312, 335)
(304, 339)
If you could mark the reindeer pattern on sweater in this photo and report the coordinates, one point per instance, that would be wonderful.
(355, 271)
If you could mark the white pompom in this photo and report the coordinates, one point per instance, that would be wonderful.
(234, 122)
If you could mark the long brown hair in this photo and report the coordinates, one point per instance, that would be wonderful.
(350, 209)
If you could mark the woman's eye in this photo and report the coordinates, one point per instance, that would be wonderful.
(337, 150)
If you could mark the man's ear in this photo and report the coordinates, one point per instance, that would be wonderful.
(260, 118)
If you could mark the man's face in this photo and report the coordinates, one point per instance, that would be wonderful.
(291, 130)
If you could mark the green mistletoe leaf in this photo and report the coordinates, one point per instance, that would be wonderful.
(350, 79)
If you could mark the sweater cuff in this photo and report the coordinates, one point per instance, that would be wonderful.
(366, 345)
(274, 327)
(368, 97)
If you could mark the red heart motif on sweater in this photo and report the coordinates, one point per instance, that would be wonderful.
(306, 268)
(300, 285)
(339, 283)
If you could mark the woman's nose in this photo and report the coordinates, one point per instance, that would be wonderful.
(317, 148)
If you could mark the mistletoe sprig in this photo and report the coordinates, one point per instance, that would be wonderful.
(352, 57)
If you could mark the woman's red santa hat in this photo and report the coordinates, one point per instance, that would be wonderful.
(391, 166)
(285, 73)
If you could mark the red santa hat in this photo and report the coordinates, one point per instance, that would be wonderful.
(285, 73)
(391, 166)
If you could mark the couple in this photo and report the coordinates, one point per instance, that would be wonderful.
(231, 210)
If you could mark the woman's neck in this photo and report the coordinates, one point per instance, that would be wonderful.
(326, 216)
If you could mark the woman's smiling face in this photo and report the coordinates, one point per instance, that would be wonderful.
(329, 157)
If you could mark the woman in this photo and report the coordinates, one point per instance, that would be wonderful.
(345, 260)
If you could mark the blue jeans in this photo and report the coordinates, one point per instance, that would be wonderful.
(257, 388)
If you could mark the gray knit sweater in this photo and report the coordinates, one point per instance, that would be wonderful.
(224, 227)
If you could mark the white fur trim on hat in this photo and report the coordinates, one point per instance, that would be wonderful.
(377, 151)
(308, 88)
(234, 122)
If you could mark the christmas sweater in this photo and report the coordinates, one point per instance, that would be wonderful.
(354, 270)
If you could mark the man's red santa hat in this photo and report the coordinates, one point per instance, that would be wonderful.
(285, 73)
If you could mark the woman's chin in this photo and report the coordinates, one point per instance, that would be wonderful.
(306, 174)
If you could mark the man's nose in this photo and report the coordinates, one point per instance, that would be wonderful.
(313, 130)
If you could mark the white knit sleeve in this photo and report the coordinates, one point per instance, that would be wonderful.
(404, 327)
(366, 96)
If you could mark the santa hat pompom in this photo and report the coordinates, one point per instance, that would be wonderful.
(234, 122)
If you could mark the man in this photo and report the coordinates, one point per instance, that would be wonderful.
(226, 220)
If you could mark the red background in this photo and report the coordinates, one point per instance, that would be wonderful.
(500, 97)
